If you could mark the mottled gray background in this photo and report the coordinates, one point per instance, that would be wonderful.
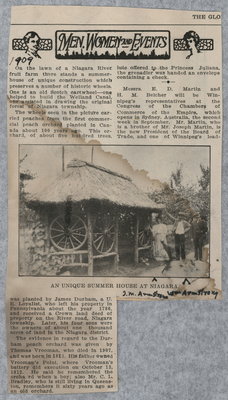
(166, 350)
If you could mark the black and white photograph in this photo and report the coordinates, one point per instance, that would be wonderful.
(131, 211)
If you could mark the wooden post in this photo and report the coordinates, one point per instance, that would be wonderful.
(90, 243)
(116, 246)
(136, 252)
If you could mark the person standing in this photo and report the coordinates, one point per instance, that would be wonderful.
(180, 228)
(199, 230)
(159, 232)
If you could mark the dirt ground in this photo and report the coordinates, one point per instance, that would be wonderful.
(186, 268)
(147, 268)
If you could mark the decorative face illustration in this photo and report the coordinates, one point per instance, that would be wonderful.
(192, 41)
(32, 41)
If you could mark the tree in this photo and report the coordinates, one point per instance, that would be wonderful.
(204, 180)
(177, 177)
(186, 198)
(204, 192)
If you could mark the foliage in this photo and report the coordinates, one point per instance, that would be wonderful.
(204, 180)
(179, 197)
(176, 177)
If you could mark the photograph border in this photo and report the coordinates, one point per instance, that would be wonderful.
(113, 276)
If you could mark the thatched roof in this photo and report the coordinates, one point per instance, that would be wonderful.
(83, 181)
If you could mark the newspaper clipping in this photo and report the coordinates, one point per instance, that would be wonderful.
(114, 133)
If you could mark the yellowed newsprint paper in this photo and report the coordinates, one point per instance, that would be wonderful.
(114, 132)
(61, 342)
(115, 150)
